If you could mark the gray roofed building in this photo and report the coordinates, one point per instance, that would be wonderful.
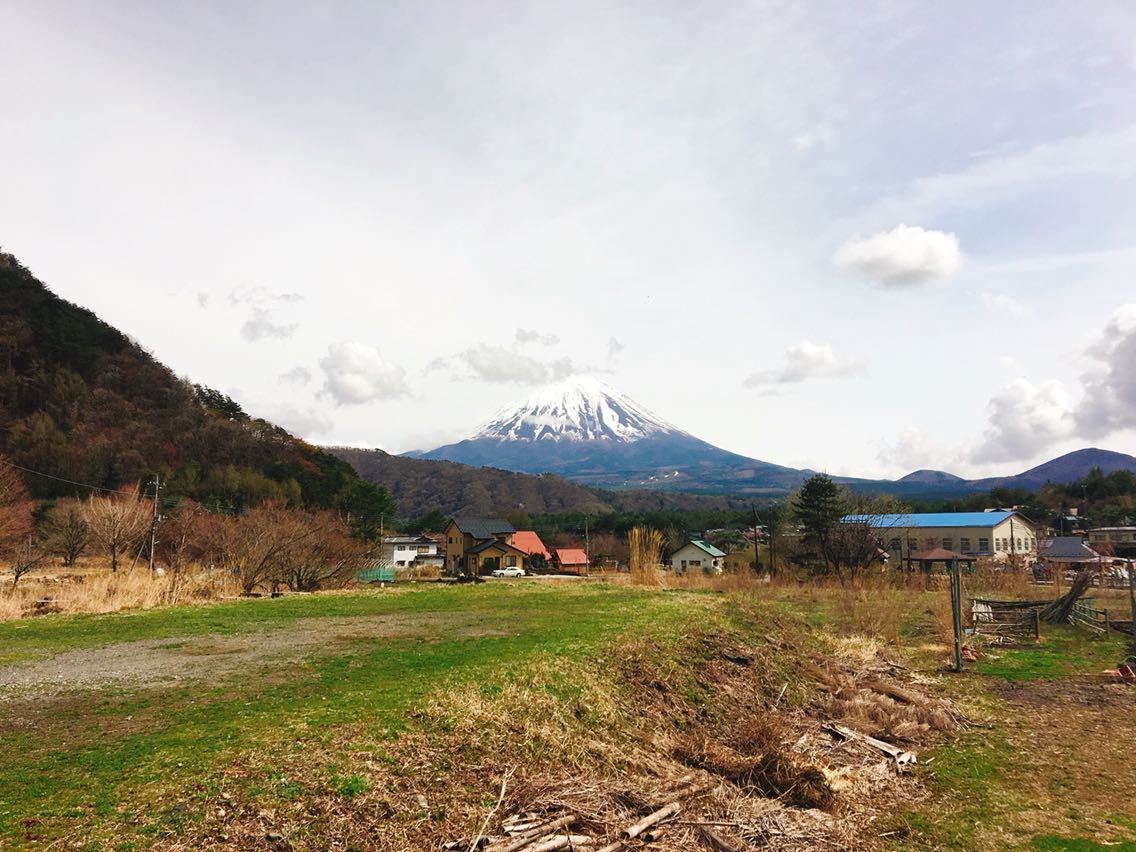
(481, 528)
(1069, 548)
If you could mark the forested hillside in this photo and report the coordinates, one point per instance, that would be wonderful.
(81, 401)
(420, 486)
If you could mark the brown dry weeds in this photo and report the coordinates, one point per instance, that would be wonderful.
(604, 740)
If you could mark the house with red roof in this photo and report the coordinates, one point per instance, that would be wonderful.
(529, 543)
(570, 560)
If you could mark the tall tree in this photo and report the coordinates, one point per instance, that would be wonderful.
(117, 522)
(369, 509)
(819, 506)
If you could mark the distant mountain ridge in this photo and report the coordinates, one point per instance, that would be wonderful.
(586, 431)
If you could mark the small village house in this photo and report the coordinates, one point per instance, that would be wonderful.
(570, 560)
(410, 552)
(998, 535)
(468, 542)
(697, 555)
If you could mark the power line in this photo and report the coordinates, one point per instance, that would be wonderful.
(68, 481)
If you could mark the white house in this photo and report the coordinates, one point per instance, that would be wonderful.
(697, 555)
(410, 551)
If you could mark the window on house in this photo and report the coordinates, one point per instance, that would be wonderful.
(948, 544)
(984, 545)
(964, 545)
(1019, 543)
(893, 544)
(695, 563)
(510, 562)
(423, 548)
(912, 544)
(684, 565)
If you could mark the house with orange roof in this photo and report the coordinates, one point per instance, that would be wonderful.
(570, 560)
(529, 542)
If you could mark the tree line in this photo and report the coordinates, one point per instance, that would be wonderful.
(270, 546)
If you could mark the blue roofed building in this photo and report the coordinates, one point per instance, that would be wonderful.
(998, 535)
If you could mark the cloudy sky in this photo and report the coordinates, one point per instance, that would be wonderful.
(861, 237)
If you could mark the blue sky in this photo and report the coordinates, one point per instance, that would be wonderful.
(856, 237)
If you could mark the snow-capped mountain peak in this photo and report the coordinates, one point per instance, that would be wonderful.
(581, 408)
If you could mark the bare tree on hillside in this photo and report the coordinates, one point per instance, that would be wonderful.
(117, 522)
(15, 505)
(26, 557)
(66, 534)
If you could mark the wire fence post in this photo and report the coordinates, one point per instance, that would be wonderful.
(956, 613)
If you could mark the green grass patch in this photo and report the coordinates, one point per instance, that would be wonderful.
(179, 736)
(1061, 652)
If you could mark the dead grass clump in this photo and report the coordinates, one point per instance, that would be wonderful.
(873, 705)
(757, 756)
(646, 547)
(102, 591)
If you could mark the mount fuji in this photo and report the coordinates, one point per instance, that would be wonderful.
(588, 432)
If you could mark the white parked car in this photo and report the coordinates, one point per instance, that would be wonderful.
(508, 572)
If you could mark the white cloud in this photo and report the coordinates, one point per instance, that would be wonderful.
(297, 376)
(526, 335)
(902, 257)
(813, 138)
(355, 373)
(500, 365)
(260, 325)
(1109, 402)
(1004, 305)
(1023, 420)
(805, 360)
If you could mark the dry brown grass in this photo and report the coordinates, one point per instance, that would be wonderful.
(93, 587)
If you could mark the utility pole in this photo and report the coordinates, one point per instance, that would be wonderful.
(587, 548)
(154, 521)
(756, 560)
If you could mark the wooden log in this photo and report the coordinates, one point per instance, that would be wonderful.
(562, 841)
(651, 819)
(520, 842)
(901, 757)
(613, 847)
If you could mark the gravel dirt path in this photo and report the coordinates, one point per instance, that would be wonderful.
(212, 658)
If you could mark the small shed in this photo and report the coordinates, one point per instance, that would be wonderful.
(926, 560)
(570, 560)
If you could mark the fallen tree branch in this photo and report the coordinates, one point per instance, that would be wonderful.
(543, 830)
(480, 834)
(564, 841)
(716, 840)
(662, 813)
(902, 758)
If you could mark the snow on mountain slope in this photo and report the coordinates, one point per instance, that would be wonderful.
(576, 409)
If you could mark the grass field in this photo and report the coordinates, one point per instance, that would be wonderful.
(184, 727)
